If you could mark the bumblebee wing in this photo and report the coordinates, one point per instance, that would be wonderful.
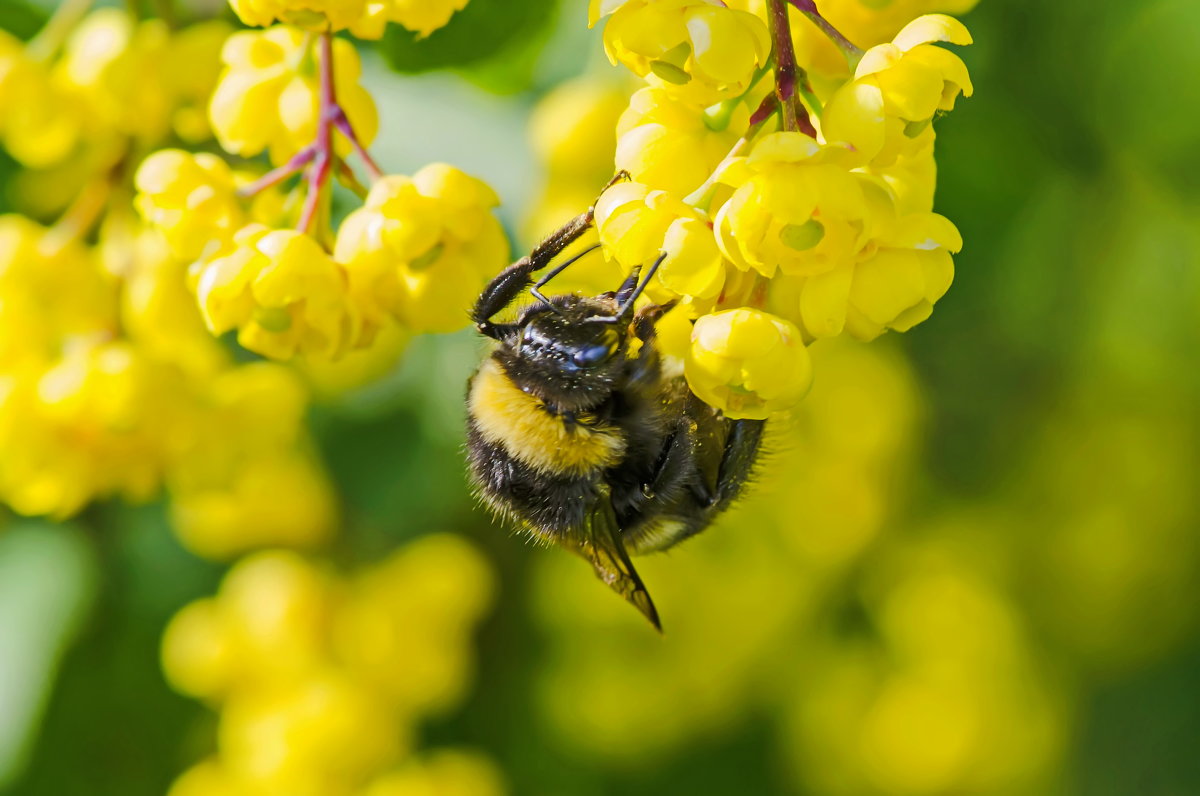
(601, 544)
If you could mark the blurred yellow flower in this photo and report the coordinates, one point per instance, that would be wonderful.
(420, 16)
(41, 123)
(191, 199)
(320, 679)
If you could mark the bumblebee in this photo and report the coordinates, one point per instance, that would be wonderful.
(575, 432)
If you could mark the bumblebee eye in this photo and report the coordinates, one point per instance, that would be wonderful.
(592, 355)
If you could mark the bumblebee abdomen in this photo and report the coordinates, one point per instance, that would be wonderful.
(548, 505)
(507, 417)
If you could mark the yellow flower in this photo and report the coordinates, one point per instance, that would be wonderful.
(699, 49)
(636, 224)
(363, 366)
(51, 292)
(572, 129)
(445, 772)
(94, 424)
(191, 67)
(886, 110)
(40, 125)
(283, 294)
(864, 22)
(665, 142)
(268, 95)
(224, 520)
(421, 16)
(904, 270)
(158, 311)
(747, 363)
(115, 68)
(191, 199)
(421, 249)
(314, 15)
(320, 679)
(404, 623)
(897, 287)
(795, 208)
(327, 724)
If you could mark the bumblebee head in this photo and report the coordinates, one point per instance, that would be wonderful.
(559, 354)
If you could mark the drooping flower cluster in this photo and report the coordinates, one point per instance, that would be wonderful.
(112, 379)
(109, 383)
(806, 203)
(414, 255)
(320, 679)
(813, 214)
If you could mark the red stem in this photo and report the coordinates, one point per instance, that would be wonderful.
(785, 60)
(342, 123)
(322, 161)
(809, 9)
(319, 157)
(278, 175)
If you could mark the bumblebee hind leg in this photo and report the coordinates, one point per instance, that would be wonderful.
(737, 463)
(683, 499)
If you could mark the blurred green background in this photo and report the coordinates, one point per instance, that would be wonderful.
(972, 565)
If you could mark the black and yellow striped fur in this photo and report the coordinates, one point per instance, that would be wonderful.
(576, 432)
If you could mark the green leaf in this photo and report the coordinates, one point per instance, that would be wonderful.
(480, 33)
(47, 581)
(21, 19)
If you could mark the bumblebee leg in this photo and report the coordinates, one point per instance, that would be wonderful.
(645, 369)
(741, 450)
(514, 279)
(646, 317)
(536, 290)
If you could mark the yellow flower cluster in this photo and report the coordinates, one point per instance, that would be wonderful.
(267, 95)
(814, 214)
(422, 247)
(416, 254)
(110, 385)
(321, 679)
(365, 19)
(111, 380)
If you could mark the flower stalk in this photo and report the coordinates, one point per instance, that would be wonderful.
(791, 81)
(808, 8)
(319, 158)
(785, 61)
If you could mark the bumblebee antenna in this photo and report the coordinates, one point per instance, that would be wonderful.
(536, 290)
(627, 303)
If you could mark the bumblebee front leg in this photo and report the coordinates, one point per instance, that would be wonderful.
(516, 278)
